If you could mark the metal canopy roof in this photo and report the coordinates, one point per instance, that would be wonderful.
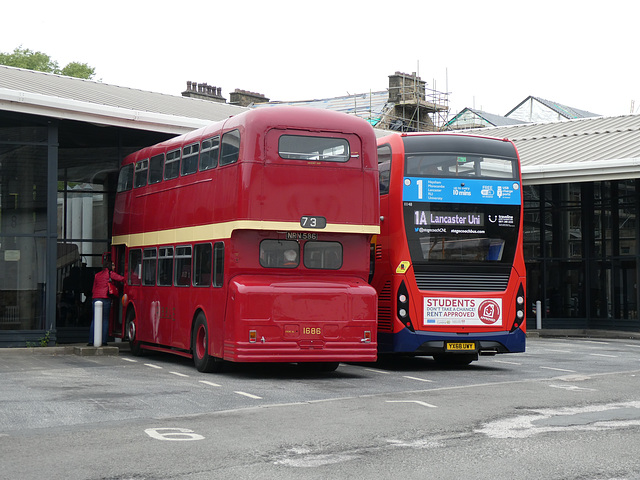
(57, 96)
(588, 149)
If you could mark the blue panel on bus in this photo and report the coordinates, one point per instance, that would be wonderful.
(455, 190)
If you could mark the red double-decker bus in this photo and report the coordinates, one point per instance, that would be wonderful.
(249, 241)
(449, 268)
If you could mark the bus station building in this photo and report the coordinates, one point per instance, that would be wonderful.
(62, 140)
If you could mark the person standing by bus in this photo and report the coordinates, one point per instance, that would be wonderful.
(101, 293)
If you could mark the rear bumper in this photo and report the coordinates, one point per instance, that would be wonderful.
(429, 343)
(292, 352)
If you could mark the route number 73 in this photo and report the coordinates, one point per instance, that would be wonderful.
(313, 222)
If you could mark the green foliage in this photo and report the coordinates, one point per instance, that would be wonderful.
(42, 342)
(78, 70)
(41, 62)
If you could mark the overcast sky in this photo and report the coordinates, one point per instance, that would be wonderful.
(487, 54)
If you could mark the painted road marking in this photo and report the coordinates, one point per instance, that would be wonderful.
(559, 369)
(249, 395)
(129, 360)
(377, 371)
(179, 374)
(153, 366)
(424, 404)
(602, 355)
(566, 419)
(210, 383)
(173, 434)
(418, 379)
(572, 388)
(510, 363)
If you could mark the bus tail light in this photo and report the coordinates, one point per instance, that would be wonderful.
(520, 305)
(402, 310)
(253, 336)
(367, 337)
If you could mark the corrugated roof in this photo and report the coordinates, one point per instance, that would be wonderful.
(57, 89)
(578, 150)
(495, 120)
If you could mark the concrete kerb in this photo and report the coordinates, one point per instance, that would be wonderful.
(72, 349)
(114, 348)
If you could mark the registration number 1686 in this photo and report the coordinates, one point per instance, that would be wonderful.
(312, 330)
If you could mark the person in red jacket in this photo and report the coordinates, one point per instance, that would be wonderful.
(101, 292)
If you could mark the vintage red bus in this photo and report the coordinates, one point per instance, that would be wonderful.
(449, 268)
(248, 241)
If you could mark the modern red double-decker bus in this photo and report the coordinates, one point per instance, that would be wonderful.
(449, 268)
(249, 241)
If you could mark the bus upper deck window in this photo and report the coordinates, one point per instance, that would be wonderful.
(125, 178)
(140, 173)
(190, 159)
(323, 149)
(230, 150)
(156, 167)
(172, 165)
(209, 153)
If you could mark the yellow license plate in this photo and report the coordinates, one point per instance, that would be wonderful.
(461, 346)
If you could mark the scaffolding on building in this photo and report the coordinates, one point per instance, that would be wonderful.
(412, 107)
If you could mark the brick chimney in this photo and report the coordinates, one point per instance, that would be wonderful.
(245, 98)
(204, 92)
(406, 88)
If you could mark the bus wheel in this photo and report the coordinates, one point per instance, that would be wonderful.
(458, 360)
(200, 348)
(134, 345)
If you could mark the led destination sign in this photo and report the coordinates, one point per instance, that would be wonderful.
(422, 217)
(454, 190)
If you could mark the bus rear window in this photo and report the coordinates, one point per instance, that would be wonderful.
(323, 255)
(452, 166)
(323, 149)
(279, 254)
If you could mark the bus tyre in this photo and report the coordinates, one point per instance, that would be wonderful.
(200, 348)
(134, 345)
(457, 360)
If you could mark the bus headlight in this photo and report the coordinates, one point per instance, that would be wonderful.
(402, 298)
(402, 312)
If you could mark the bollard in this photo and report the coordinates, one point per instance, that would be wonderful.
(539, 315)
(97, 323)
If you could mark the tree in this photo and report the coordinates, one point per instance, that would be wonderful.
(41, 62)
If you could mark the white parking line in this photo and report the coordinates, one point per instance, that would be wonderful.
(211, 384)
(424, 404)
(129, 360)
(249, 395)
(418, 379)
(377, 371)
(602, 355)
(559, 369)
(153, 366)
(510, 363)
(179, 374)
(596, 341)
